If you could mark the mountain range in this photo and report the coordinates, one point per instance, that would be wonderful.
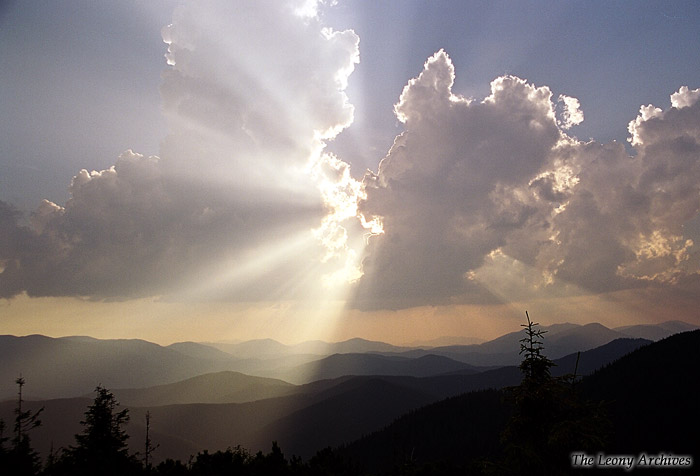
(73, 366)
(335, 400)
(209, 412)
(647, 397)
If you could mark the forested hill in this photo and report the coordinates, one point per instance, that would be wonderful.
(648, 399)
(651, 396)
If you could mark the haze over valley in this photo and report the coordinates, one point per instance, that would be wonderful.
(305, 397)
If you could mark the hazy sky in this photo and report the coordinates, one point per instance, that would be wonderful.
(212, 170)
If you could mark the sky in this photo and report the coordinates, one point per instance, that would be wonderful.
(298, 170)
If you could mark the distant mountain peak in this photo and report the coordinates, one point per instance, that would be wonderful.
(596, 325)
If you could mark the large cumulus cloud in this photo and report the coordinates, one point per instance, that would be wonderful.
(476, 201)
(479, 191)
(623, 224)
(251, 91)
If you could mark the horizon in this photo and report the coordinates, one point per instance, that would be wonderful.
(314, 170)
(411, 344)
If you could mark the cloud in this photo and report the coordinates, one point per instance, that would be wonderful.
(256, 78)
(623, 223)
(477, 201)
(472, 190)
(446, 190)
(635, 207)
(251, 92)
(571, 114)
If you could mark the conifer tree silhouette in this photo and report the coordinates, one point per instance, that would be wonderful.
(101, 447)
(549, 421)
(21, 459)
(149, 446)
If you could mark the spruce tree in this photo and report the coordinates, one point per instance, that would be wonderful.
(549, 421)
(21, 459)
(149, 446)
(102, 446)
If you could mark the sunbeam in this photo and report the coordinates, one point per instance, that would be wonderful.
(290, 179)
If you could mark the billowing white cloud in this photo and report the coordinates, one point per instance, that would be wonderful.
(684, 97)
(251, 91)
(624, 220)
(446, 192)
(571, 114)
(476, 201)
(472, 187)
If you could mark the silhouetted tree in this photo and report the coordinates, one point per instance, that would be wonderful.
(274, 463)
(171, 467)
(101, 447)
(327, 462)
(535, 365)
(231, 461)
(549, 421)
(50, 464)
(149, 446)
(3, 439)
(21, 459)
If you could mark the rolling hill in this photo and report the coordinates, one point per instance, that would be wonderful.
(656, 331)
(323, 412)
(561, 339)
(219, 387)
(651, 395)
(73, 366)
(269, 348)
(65, 367)
(648, 397)
(350, 407)
(338, 365)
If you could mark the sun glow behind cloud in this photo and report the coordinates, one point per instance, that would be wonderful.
(241, 205)
(324, 173)
(308, 264)
(478, 202)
